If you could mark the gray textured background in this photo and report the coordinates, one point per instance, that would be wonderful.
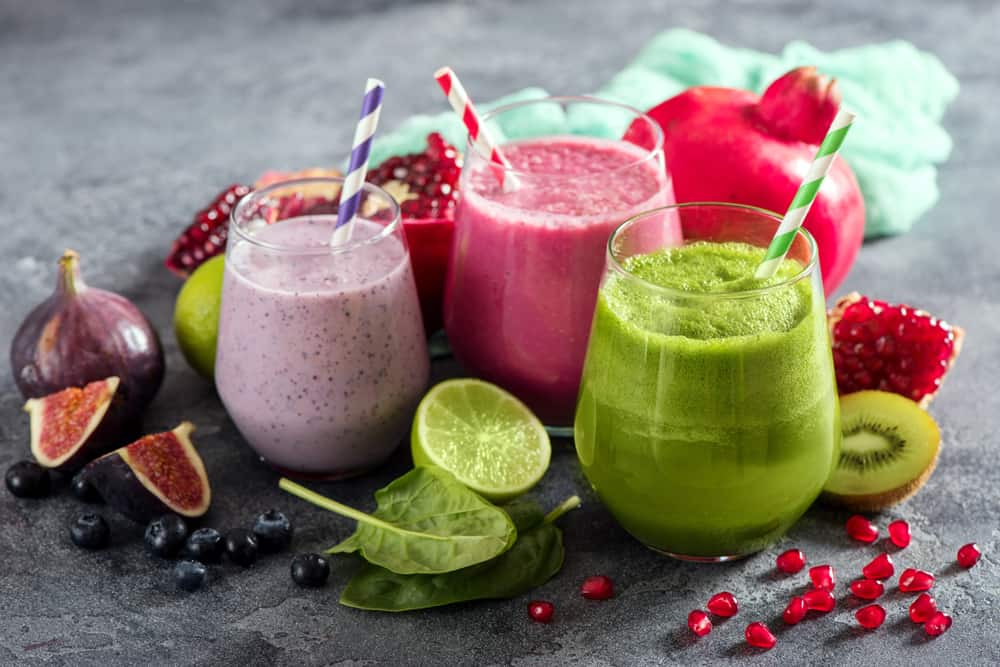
(119, 119)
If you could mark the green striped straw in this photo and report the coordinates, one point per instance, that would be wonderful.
(806, 194)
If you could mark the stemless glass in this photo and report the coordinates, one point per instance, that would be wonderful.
(528, 252)
(321, 357)
(708, 421)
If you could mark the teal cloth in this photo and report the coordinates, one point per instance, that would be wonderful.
(899, 92)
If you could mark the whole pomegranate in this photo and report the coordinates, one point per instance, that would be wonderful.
(724, 144)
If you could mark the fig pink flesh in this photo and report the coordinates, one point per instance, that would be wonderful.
(67, 414)
(163, 460)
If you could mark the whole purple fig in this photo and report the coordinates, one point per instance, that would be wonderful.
(81, 334)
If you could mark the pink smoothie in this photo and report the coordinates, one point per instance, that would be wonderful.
(322, 358)
(526, 264)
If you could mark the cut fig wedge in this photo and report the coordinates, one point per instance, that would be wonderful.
(156, 474)
(75, 425)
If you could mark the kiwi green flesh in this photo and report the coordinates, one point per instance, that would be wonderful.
(889, 449)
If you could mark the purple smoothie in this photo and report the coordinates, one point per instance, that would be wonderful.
(526, 264)
(322, 357)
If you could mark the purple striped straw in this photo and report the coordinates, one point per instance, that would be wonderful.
(350, 194)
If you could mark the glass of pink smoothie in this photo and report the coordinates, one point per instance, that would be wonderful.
(322, 357)
(526, 261)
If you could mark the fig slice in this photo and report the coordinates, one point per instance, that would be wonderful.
(156, 474)
(73, 426)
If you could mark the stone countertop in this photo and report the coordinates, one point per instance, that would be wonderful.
(117, 121)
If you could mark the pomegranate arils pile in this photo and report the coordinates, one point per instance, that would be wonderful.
(791, 561)
(425, 184)
(870, 617)
(541, 611)
(861, 529)
(699, 622)
(922, 608)
(867, 589)
(597, 588)
(881, 567)
(723, 604)
(899, 533)
(969, 555)
(205, 237)
(890, 347)
(823, 577)
(913, 580)
(758, 636)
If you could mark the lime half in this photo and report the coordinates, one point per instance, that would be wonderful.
(486, 438)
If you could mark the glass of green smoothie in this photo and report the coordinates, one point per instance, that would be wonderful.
(708, 419)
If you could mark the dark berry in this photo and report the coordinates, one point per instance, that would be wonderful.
(166, 536)
(83, 489)
(273, 531)
(205, 545)
(242, 547)
(27, 479)
(190, 575)
(90, 531)
(310, 570)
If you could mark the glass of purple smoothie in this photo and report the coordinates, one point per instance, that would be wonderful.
(322, 357)
(526, 261)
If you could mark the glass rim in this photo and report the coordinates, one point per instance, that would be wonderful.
(650, 153)
(332, 248)
(807, 270)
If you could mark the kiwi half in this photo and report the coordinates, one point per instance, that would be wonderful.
(889, 449)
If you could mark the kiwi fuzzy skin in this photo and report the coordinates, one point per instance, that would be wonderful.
(873, 502)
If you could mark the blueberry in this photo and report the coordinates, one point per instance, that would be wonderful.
(190, 575)
(310, 570)
(273, 531)
(27, 479)
(205, 545)
(83, 489)
(241, 547)
(165, 536)
(90, 531)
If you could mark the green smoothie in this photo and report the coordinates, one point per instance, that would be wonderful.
(707, 420)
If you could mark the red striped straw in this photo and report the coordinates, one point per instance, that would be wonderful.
(478, 133)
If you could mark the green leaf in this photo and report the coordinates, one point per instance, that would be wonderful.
(426, 522)
(534, 559)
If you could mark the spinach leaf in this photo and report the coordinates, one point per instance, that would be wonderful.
(426, 522)
(534, 559)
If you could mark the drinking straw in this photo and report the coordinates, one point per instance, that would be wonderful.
(478, 132)
(805, 195)
(350, 193)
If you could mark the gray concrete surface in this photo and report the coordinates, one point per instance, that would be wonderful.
(119, 119)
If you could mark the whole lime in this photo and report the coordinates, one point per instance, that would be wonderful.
(196, 316)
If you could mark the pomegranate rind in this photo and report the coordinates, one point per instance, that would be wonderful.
(168, 467)
(836, 314)
(54, 445)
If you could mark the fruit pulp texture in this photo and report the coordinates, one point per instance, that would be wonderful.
(708, 427)
(526, 264)
(322, 358)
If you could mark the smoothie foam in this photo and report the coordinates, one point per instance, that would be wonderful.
(707, 426)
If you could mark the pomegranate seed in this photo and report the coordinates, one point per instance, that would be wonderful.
(899, 533)
(922, 608)
(867, 589)
(937, 624)
(819, 600)
(969, 555)
(759, 636)
(913, 580)
(861, 529)
(870, 617)
(723, 604)
(597, 588)
(823, 577)
(791, 561)
(795, 611)
(880, 567)
(541, 611)
(699, 622)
